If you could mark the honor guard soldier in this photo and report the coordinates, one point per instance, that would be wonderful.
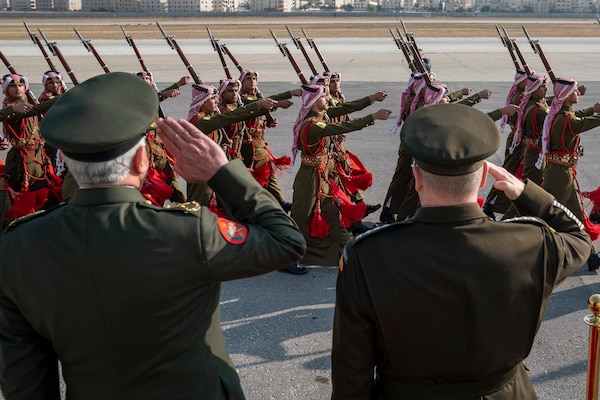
(130, 307)
(387, 342)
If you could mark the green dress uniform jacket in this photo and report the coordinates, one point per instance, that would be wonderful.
(564, 142)
(311, 183)
(127, 299)
(453, 317)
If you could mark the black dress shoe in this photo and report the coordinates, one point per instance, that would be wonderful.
(371, 208)
(386, 217)
(287, 206)
(294, 269)
(593, 261)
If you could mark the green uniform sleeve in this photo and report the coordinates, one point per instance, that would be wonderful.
(318, 130)
(281, 96)
(495, 115)
(566, 237)
(454, 96)
(349, 107)
(8, 113)
(273, 240)
(209, 124)
(471, 100)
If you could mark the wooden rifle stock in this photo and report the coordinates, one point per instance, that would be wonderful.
(535, 45)
(513, 45)
(232, 58)
(53, 47)
(300, 46)
(173, 44)
(30, 96)
(286, 53)
(313, 46)
(87, 43)
(219, 50)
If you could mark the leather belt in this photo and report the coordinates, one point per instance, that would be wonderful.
(566, 160)
(27, 144)
(316, 161)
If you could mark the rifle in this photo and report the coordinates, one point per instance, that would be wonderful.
(410, 38)
(513, 45)
(419, 64)
(87, 43)
(313, 46)
(173, 44)
(399, 40)
(30, 96)
(52, 46)
(233, 59)
(131, 43)
(219, 50)
(300, 46)
(506, 42)
(535, 45)
(286, 53)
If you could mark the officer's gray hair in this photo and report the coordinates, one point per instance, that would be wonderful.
(452, 187)
(105, 172)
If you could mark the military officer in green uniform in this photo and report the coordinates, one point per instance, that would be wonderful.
(128, 302)
(387, 341)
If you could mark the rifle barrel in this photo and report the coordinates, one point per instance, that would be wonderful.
(55, 50)
(173, 43)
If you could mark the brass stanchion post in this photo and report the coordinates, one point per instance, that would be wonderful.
(593, 320)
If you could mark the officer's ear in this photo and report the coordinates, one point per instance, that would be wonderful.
(418, 177)
(140, 162)
(484, 176)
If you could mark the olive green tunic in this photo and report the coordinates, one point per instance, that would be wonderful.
(130, 307)
(435, 318)
(311, 184)
(254, 149)
(564, 140)
(210, 125)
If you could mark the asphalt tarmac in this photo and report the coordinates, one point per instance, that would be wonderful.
(277, 326)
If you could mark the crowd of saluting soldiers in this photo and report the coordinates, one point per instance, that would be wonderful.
(327, 204)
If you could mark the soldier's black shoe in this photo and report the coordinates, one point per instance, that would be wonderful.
(295, 269)
(371, 208)
(488, 210)
(287, 206)
(595, 218)
(593, 261)
(386, 217)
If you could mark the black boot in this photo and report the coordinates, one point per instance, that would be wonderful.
(386, 217)
(295, 269)
(371, 208)
(593, 261)
(286, 205)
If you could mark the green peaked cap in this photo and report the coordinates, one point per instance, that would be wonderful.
(450, 139)
(101, 118)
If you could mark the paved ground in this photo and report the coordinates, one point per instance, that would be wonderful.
(277, 326)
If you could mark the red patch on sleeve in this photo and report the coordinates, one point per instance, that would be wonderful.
(232, 232)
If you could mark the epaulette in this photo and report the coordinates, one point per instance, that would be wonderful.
(382, 227)
(29, 217)
(187, 207)
(529, 220)
(369, 233)
(207, 118)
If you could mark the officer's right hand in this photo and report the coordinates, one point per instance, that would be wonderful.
(505, 181)
(197, 158)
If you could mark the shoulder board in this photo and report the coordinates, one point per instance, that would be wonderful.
(527, 220)
(206, 118)
(369, 233)
(321, 125)
(187, 207)
(29, 217)
(381, 228)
